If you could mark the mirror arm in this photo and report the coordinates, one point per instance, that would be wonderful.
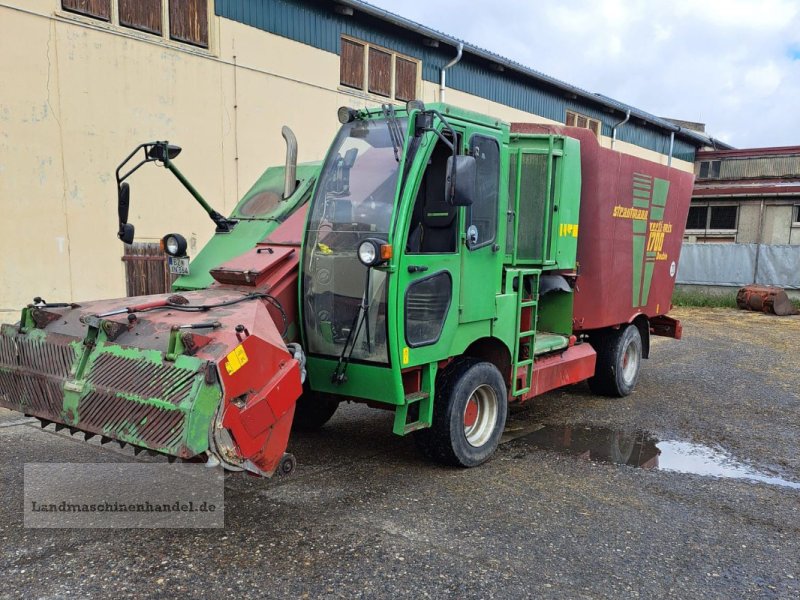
(223, 225)
(449, 144)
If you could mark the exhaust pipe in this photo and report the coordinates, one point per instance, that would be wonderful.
(290, 181)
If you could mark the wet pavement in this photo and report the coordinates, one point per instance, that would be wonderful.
(685, 489)
(644, 450)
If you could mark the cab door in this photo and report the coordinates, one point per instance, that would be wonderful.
(429, 268)
(481, 255)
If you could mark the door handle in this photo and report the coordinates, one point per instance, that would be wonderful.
(417, 268)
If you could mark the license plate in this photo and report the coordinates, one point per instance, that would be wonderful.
(179, 265)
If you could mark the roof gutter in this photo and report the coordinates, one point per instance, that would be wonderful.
(442, 77)
(407, 24)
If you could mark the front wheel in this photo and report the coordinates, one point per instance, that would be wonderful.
(469, 414)
(619, 361)
(313, 410)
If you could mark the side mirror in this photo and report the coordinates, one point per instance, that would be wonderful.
(126, 230)
(460, 186)
(126, 233)
(422, 122)
(350, 158)
(123, 202)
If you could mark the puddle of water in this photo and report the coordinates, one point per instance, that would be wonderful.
(643, 450)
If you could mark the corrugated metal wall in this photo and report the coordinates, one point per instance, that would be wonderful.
(314, 22)
(768, 166)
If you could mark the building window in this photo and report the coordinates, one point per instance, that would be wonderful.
(578, 120)
(144, 15)
(796, 215)
(99, 9)
(377, 71)
(712, 218)
(380, 72)
(709, 169)
(187, 20)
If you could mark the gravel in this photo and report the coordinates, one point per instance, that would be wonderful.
(365, 516)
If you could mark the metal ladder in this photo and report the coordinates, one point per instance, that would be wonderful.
(524, 333)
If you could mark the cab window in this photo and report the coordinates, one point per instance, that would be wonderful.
(482, 215)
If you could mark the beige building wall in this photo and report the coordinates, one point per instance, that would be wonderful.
(79, 94)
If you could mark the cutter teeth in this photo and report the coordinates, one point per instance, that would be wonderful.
(87, 436)
(171, 459)
(60, 426)
(73, 430)
(137, 450)
(122, 444)
(105, 440)
(44, 423)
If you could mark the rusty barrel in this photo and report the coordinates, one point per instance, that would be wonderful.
(766, 299)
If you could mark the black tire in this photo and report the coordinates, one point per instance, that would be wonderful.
(614, 374)
(313, 410)
(450, 439)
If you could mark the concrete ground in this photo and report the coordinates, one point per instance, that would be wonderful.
(366, 516)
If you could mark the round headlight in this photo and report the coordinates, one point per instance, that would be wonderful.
(368, 253)
(174, 244)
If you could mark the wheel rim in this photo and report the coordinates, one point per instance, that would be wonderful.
(630, 363)
(480, 415)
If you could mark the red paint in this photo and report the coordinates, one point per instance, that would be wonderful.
(604, 286)
(571, 366)
(471, 413)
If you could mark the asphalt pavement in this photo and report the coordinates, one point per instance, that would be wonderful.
(554, 514)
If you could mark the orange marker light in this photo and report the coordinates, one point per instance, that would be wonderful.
(386, 251)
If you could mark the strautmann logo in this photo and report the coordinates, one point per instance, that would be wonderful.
(649, 199)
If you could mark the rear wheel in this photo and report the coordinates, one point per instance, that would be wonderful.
(469, 414)
(619, 361)
(313, 410)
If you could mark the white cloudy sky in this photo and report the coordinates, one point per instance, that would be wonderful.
(732, 64)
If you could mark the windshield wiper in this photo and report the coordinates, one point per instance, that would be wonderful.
(395, 131)
(361, 318)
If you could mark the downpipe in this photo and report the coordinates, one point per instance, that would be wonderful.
(443, 76)
(617, 126)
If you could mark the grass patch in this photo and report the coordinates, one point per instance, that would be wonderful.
(688, 298)
(711, 300)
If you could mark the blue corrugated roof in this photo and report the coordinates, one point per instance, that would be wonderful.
(520, 68)
(316, 22)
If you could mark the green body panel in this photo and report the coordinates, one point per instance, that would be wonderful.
(250, 230)
(369, 382)
(484, 306)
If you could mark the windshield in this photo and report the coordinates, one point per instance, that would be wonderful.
(353, 201)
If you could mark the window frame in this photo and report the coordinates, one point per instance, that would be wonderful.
(796, 215)
(707, 230)
(469, 223)
(597, 129)
(165, 37)
(363, 91)
(711, 166)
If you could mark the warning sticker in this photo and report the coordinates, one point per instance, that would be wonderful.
(236, 360)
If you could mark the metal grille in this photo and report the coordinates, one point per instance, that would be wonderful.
(145, 424)
(532, 203)
(51, 356)
(30, 394)
(32, 372)
(146, 380)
